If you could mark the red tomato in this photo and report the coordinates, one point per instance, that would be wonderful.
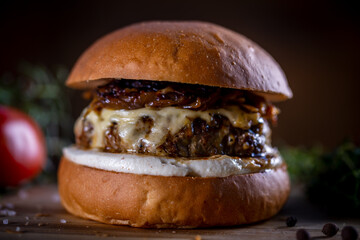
(22, 147)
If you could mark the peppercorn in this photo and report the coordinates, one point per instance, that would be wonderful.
(349, 233)
(330, 229)
(291, 221)
(302, 234)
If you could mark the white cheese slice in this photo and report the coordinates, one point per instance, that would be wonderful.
(166, 120)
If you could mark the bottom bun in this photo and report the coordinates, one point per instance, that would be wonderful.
(171, 202)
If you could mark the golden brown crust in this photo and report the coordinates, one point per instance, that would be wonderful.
(163, 202)
(185, 52)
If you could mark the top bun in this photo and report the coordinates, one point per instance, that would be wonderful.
(184, 52)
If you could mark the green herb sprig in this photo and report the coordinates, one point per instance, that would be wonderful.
(331, 179)
(40, 92)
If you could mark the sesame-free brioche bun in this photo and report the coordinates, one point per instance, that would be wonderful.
(183, 52)
(171, 202)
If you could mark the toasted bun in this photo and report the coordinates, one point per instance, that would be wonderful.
(167, 202)
(184, 52)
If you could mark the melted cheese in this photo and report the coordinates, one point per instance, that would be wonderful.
(217, 166)
(166, 120)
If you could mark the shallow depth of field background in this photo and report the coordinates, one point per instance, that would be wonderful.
(317, 43)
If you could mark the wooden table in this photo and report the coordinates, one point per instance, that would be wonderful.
(39, 215)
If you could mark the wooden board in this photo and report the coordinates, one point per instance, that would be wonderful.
(39, 215)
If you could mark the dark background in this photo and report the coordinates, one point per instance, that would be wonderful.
(317, 43)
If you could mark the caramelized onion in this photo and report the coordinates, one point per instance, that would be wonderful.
(135, 94)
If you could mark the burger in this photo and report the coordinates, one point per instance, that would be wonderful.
(178, 131)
